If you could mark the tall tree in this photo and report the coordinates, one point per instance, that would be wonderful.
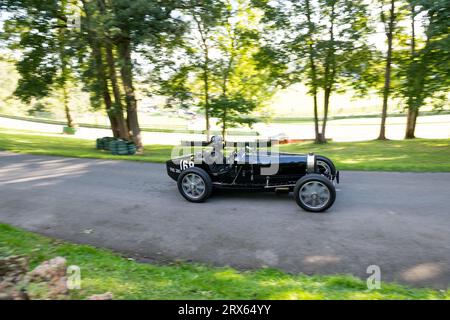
(115, 30)
(312, 70)
(136, 23)
(64, 59)
(206, 15)
(389, 23)
(412, 111)
(242, 85)
(427, 67)
(220, 71)
(323, 43)
(39, 30)
(99, 70)
(111, 61)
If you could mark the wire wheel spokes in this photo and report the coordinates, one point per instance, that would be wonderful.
(314, 194)
(193, 185)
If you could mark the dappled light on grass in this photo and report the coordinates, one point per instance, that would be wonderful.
(105, 284)
(408, 155)
(35, 143)
(424, 271)
(405, 155)
(321, 260)
(295, 295)
(228, 274)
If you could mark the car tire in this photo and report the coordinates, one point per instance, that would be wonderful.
(314, 193)
(195, 185)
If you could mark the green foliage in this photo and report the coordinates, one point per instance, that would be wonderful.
(233, 111)
(242, 86)
(37, 108)
(103, 271)
(339, 60)
(38, 29)
(220, 67)
(424, 67)
(203, 52)
(321, 43)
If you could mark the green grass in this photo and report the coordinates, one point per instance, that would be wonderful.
(103, 270)
(417, 155)
(41, 144)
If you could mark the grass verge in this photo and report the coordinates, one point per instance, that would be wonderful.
(419, 155)
(103, 270)
(51, 144)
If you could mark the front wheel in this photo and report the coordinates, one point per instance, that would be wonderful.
(314, 193)
(195, 185)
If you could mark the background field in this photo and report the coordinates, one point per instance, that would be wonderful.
(404, 155)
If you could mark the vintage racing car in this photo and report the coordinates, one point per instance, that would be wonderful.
(310, 177)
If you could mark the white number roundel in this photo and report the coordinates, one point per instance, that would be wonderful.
(185, 164)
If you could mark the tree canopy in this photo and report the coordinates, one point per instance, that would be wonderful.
(227, 58)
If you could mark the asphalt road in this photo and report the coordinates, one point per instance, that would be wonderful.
(397, 221)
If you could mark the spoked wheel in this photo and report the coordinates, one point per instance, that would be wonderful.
(195, 185)
(314, 193)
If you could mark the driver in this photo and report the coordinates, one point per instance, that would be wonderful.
(216, 155)
(215, 159)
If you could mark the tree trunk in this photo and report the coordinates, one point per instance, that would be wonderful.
(316, 118)
(206, 93)
(206, 101)
(224, 124)
(412, 111)
(126, 71)
(312, 63)
(387, 73)
(69, 118)
(64, 71)
(205, 48)
(96, 46)
(326, 106)
(330, 74)
(411, 123)
(117, 109)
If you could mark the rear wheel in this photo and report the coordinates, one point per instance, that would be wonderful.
(195, 185)
(314, 193)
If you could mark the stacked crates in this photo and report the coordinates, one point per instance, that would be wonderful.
(116, 146)
(103, 143)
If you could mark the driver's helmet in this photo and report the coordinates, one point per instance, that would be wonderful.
(216, 141)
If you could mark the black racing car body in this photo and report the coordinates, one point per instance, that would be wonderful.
(310, 177)
(255, 171)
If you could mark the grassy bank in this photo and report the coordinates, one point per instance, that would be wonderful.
(428, 155)
(431, 155)
(50, 144)
(102, 271)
